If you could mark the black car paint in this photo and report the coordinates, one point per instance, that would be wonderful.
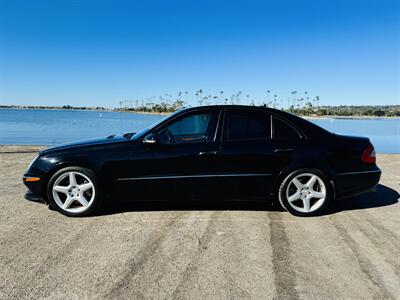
(218, 169)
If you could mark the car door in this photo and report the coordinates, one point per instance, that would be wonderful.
(181, 163)
(249, 158)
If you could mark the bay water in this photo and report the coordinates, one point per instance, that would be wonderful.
(52, 127)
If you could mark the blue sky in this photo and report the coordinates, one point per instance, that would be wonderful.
(101, 52)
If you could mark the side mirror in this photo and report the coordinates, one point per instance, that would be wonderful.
(152, 139)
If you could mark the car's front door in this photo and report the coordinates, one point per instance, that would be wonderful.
(182, 161)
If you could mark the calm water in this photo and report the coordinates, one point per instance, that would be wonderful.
(49, 127)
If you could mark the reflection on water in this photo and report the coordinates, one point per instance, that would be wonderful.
(383, 133)
(47, 127)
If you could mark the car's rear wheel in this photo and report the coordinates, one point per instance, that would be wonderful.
(74, 191)
(305, 192)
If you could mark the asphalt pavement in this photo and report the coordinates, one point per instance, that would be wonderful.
(203, 250)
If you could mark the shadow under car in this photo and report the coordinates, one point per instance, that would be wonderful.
(382, 196)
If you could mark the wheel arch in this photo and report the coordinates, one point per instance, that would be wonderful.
(322, 169)
(65, 164)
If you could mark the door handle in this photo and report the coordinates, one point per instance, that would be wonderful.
(283, 150)
(207, 153)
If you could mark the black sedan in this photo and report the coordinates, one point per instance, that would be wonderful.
(213, 152)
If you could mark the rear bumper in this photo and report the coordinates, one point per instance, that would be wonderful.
(354, 183)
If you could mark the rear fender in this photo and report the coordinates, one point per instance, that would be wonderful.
(323, 169)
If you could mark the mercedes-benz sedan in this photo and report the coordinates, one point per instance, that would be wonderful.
(213, 152)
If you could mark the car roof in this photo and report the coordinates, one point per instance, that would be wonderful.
(228, 106)
(307, 127)
(274, 111)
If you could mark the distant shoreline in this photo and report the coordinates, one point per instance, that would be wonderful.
(55, 108)
(143, 112)
(89, 109)
(325, 117)
(311, 117)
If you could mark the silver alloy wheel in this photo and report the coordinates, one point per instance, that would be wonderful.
(73, 192)
(306, 193)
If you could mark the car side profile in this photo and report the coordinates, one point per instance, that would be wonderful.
(218, 152)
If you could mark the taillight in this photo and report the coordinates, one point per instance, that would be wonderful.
(368, 156)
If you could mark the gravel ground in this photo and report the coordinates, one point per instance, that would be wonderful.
(199, 250)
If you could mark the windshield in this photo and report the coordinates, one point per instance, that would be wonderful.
(143, 132)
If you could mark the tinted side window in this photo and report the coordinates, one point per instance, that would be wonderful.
(194, 128)
(282, 130)
(245, 125)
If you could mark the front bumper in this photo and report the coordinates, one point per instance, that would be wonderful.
(35, 190)
(33, 197)
(355, 183)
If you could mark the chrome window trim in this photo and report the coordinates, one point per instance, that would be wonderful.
(217, 128)
(193, 176)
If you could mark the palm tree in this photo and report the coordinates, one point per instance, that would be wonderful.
(198, 98)
(237, 96)
(294, 98)
(200, 92)
(301, 102)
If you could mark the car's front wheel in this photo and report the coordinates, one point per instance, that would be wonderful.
(305, 192)
(74, 191)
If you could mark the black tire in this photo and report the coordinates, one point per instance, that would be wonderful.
(94, 204)
(282, 195)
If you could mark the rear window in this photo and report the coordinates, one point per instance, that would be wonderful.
(283, 130)
(248, 125)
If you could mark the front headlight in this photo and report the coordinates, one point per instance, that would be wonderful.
(32, 162)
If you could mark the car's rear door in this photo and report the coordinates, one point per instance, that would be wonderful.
(249, 158)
